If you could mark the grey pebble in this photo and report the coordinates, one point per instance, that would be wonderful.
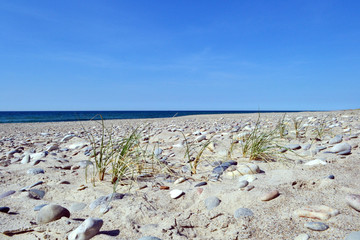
(243, 212)
(35, 171)
(88, 229)
(243, 183)
(212, 202)
(316, 226)
(201, 184)
(6, 194)
(36, 194)
(51, 212)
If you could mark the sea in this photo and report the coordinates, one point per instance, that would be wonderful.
(61, 116)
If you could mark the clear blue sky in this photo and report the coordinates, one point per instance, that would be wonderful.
(179, 55)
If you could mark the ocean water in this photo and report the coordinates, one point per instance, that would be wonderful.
(60, 116)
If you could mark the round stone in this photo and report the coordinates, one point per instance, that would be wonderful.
(270, 195)
(336, 139)
(51, 212)
(212, 202)
(341, 147)
(243, 212)
(316, 226)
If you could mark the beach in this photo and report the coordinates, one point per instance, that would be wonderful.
(192, 179)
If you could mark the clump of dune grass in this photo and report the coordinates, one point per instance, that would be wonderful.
(261, 144)
(102, 150)
(122, 157)
(281, 127)
(320, 129)
(194, 152)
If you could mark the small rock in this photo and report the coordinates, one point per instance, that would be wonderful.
(38, 156)
(336, 139)
(36, 194)
(35, 171)
(353, 200)
(340, 147)
(243, 183)
(88, 229)
(243, 212)
(212, 202)
(6, 194)
(4, 209)
(201, 184)
(315, 162)
(176, 193)
(67, 138)
(270, 195)
(249, 177)
(180, 180)
(51, 212)
(302, 236)
(158, 151)
(293, 146)
(316, 226)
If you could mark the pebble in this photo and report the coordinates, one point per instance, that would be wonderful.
(353, 200)
(270, 195)
(316, 226)
(180, 180)
(336, 139)
(6, 194)
(35, 171)
(149, 238)
(88, 229)
(36, 194)
(320, 212)
(302, 236)
(4, 209)
(176, 193)
(212, 202)
(249, 187)
(243, 212)
(315, 162)
(306, 146)
(164, 187)
(340, 147)
(201, 184)
(346, 152)
(243, 183)
(353, 236)
(158, 151)
(106, 199)
(293, 146)
(67, 138)
(51, 212)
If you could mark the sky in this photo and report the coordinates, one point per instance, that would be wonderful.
(179, 55)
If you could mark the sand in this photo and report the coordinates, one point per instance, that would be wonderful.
(147, 210)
